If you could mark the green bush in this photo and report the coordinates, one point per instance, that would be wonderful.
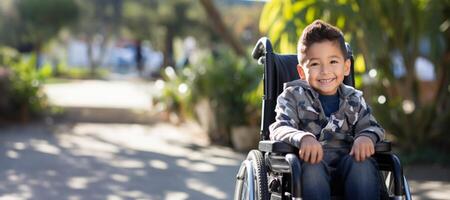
(227, 81)
(62, 70)
(230, 84)
(175, 91)
(22, 96)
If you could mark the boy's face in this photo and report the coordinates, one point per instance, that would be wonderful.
(324, 67)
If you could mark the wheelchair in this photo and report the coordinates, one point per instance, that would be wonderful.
(274, 170)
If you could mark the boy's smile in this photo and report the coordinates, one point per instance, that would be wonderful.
(324, 67)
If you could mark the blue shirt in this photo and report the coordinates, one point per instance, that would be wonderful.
(330, 103)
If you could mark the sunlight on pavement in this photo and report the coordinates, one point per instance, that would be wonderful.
(430, 189)
(12, 176)
(15, 196)
(86, 146)
(109, 94)
(78, 183)
(161, 138)
(209, 190)
(87, 143)
(158, 164)
(74, 197)
(127, 163)
(172, 195)
(196, 166)
(113, 197)
(141, 173)
(223, 161)
(132, 194)
(119, 178)
(116, 161)
(25, 193)
(12, 154)
(44, 147)
(51, 173)
(19, 146)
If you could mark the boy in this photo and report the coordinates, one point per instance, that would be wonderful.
(318, 111)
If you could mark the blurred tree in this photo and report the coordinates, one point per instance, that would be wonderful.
(163, 21)
(100, 21)
(176, 19)
(391, 37)
(220, 27)
(140, 18)
(242, 20)
(29, 23)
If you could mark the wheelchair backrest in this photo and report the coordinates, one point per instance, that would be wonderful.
(279, 69)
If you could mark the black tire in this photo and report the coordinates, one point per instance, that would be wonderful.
(260, 178)
(260, 174)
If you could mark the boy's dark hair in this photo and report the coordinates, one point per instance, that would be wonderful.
(319, 31)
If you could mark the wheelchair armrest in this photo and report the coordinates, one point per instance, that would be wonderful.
(282, 147)
(276, 147)
(383, 147)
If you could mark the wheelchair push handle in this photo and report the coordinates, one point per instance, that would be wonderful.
(262, 47)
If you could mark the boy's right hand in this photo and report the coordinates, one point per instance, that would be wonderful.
(310, 150)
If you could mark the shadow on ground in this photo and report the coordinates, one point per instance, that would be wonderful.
(113, 161)
(136, 161)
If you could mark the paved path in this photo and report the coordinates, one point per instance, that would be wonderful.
(113, 161)
(132, 94)
(119, 159)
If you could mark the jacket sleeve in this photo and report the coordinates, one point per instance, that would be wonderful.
(286, 125)
(367, 125)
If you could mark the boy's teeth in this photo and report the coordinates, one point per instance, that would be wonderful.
(325, 80)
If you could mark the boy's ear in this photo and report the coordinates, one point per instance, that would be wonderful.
(347, 65)
(300, 71)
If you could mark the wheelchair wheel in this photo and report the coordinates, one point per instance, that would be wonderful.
(251, 183)
(389, 180)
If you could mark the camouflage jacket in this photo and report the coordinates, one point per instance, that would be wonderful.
(299, 113)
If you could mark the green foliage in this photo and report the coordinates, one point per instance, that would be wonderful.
(8, 55)
(53, 13)
(35, 22)
(422, 156)
(176, 91)
(64, 71)
(228, 81)
(26, 82)
(23, 94)
(230, 84)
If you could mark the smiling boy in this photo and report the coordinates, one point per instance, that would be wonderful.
(318, 111)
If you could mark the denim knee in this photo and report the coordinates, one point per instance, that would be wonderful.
(361, 179)
(351, 166)
(315, 181)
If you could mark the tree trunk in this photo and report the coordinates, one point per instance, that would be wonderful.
(221, 28)
(37, 51)
(168, 47)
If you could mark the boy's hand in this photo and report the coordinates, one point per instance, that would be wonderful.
(362, 148)
(310, 150)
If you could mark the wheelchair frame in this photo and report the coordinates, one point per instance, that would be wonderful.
(279, 161)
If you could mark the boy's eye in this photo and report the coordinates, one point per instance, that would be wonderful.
(334, 62)
(314, 64)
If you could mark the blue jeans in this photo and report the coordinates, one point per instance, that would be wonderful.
(339, 173)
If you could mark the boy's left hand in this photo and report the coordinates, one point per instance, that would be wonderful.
(362, 148)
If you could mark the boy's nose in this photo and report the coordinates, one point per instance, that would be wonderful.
(325, 69)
